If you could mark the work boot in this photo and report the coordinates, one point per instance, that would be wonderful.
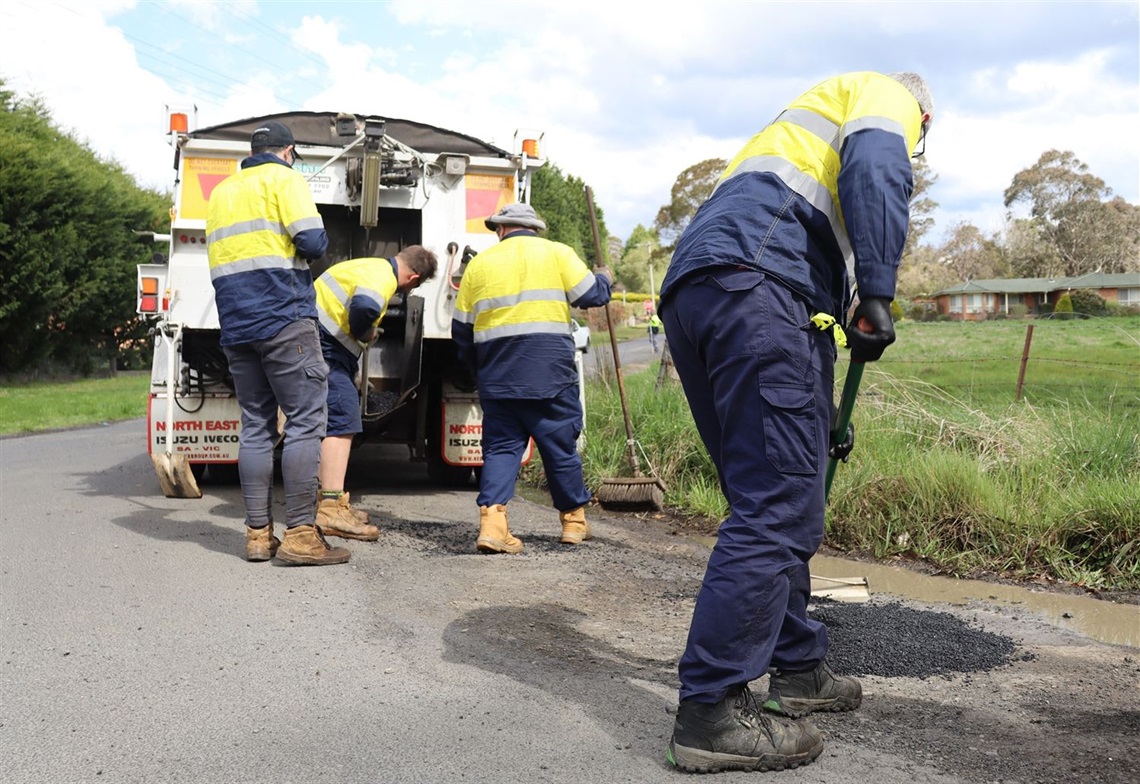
(494, 537)
(800, 693)
(575, 529)
(305, 546)
(734, 734)
(260, 543)
(335, 518)
(360, 515)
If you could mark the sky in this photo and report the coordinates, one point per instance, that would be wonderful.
(623, 95)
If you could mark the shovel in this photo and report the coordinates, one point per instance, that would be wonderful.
(173, 470)
(846, 406)
(842, 589)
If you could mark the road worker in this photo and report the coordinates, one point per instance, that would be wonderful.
(352, 298)
(756, 286)
(513, 329)
(262, 230)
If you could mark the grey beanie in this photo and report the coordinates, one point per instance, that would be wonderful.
(515, 215)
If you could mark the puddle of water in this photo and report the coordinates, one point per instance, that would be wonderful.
(1109, 622)
(1105, 621)
(1118, 624)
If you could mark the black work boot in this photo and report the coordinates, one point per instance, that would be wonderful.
(734, 734)
(800, 693)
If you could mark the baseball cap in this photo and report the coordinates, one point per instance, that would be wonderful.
(271, 134)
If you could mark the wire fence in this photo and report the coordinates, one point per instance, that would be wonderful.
(1071, 363)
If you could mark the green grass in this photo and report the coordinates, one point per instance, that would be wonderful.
(1095, 360)
(948, 468)
(601, 337)
(29, 408)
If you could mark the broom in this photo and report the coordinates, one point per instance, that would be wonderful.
(639, 492)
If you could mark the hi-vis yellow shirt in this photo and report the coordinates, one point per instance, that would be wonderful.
(352, 297)
(512, 315)
(822, 192)
(261, 226)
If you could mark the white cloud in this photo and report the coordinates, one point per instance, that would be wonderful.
(627, 99)
(1075, 105)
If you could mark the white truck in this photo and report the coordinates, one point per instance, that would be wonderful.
(380, 184)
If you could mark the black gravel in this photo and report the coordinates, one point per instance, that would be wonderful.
(380, 403)
(895, 641)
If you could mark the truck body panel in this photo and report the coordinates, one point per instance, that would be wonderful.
(380, 185)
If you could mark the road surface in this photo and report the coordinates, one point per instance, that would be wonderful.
(139, 646)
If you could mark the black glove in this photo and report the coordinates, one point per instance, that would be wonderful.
(841, 451)
(871, 329)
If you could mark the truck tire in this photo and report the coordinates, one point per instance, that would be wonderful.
(441, 473)
(224, 474)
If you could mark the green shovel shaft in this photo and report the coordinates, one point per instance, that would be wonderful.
(846, 406)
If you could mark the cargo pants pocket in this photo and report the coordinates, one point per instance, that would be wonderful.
(790, 428)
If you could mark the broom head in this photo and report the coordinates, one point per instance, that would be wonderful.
(638, 493)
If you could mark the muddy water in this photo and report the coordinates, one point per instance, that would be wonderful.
(1108, 622)
(1095, 618)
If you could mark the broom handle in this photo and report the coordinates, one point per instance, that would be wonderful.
(613, 341)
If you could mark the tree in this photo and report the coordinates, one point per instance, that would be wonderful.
(970, 255)
(922, 207)
(1064, 309)
(1029, 252)
(642, 249)
(922, 273)
(561, 202)
(68, 252)
(693, 186)
(1069, 213)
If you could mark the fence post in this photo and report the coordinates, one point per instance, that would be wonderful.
(1024, 360)
(664, 371)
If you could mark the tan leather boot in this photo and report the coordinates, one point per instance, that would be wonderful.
(260, 543)
(335, 518)
(494, 537)
(360, 515)
(575, 529)
(305, 546)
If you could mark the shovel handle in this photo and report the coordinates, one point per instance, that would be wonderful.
(846, 406)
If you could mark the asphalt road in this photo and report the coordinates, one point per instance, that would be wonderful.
(635, 354)
(136, 645)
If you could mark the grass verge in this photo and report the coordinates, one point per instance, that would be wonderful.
(949, 469)
(34, 407)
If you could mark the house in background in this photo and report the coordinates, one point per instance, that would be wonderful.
(976, 300)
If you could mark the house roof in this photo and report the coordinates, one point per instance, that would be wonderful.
(1092, 280)
(1100, 280)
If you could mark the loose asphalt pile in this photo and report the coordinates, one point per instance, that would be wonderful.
(894, 641)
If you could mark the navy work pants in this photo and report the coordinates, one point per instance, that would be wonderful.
(758, 378)
(286, 370)
(555, 423)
